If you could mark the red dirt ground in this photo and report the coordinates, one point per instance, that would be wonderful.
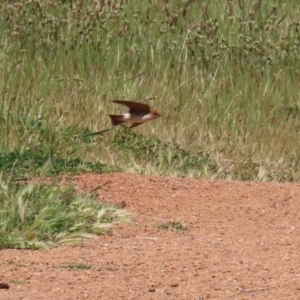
(243, 243)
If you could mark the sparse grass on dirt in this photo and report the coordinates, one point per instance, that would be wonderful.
(41, 216)
(225, 74)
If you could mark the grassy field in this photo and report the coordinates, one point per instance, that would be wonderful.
(225, 75)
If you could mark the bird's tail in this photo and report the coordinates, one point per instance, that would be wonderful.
(117, 119)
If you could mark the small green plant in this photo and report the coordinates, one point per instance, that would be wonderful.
(19, 282)
(81, 266)
(40, 216)
(174, 226)
(76, 266)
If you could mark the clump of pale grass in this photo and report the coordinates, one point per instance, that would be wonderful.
(41, 216)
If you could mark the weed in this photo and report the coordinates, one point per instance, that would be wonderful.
(76, 266)
(19, 282)
(79, 266)
(175, 226)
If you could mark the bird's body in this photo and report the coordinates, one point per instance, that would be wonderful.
(138, 114)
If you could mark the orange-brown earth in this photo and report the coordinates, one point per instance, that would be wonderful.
(243, 243)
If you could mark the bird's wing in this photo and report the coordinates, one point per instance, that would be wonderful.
(134, 106)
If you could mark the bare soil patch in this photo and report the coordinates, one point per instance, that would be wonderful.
(242, 242)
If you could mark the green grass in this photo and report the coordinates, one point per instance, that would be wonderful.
(142, 154)
(40, 162)
(225, 74)
(41, 216)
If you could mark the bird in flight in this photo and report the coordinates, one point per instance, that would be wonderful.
(138, 114)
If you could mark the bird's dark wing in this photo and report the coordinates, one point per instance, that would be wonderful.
(134, 106)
